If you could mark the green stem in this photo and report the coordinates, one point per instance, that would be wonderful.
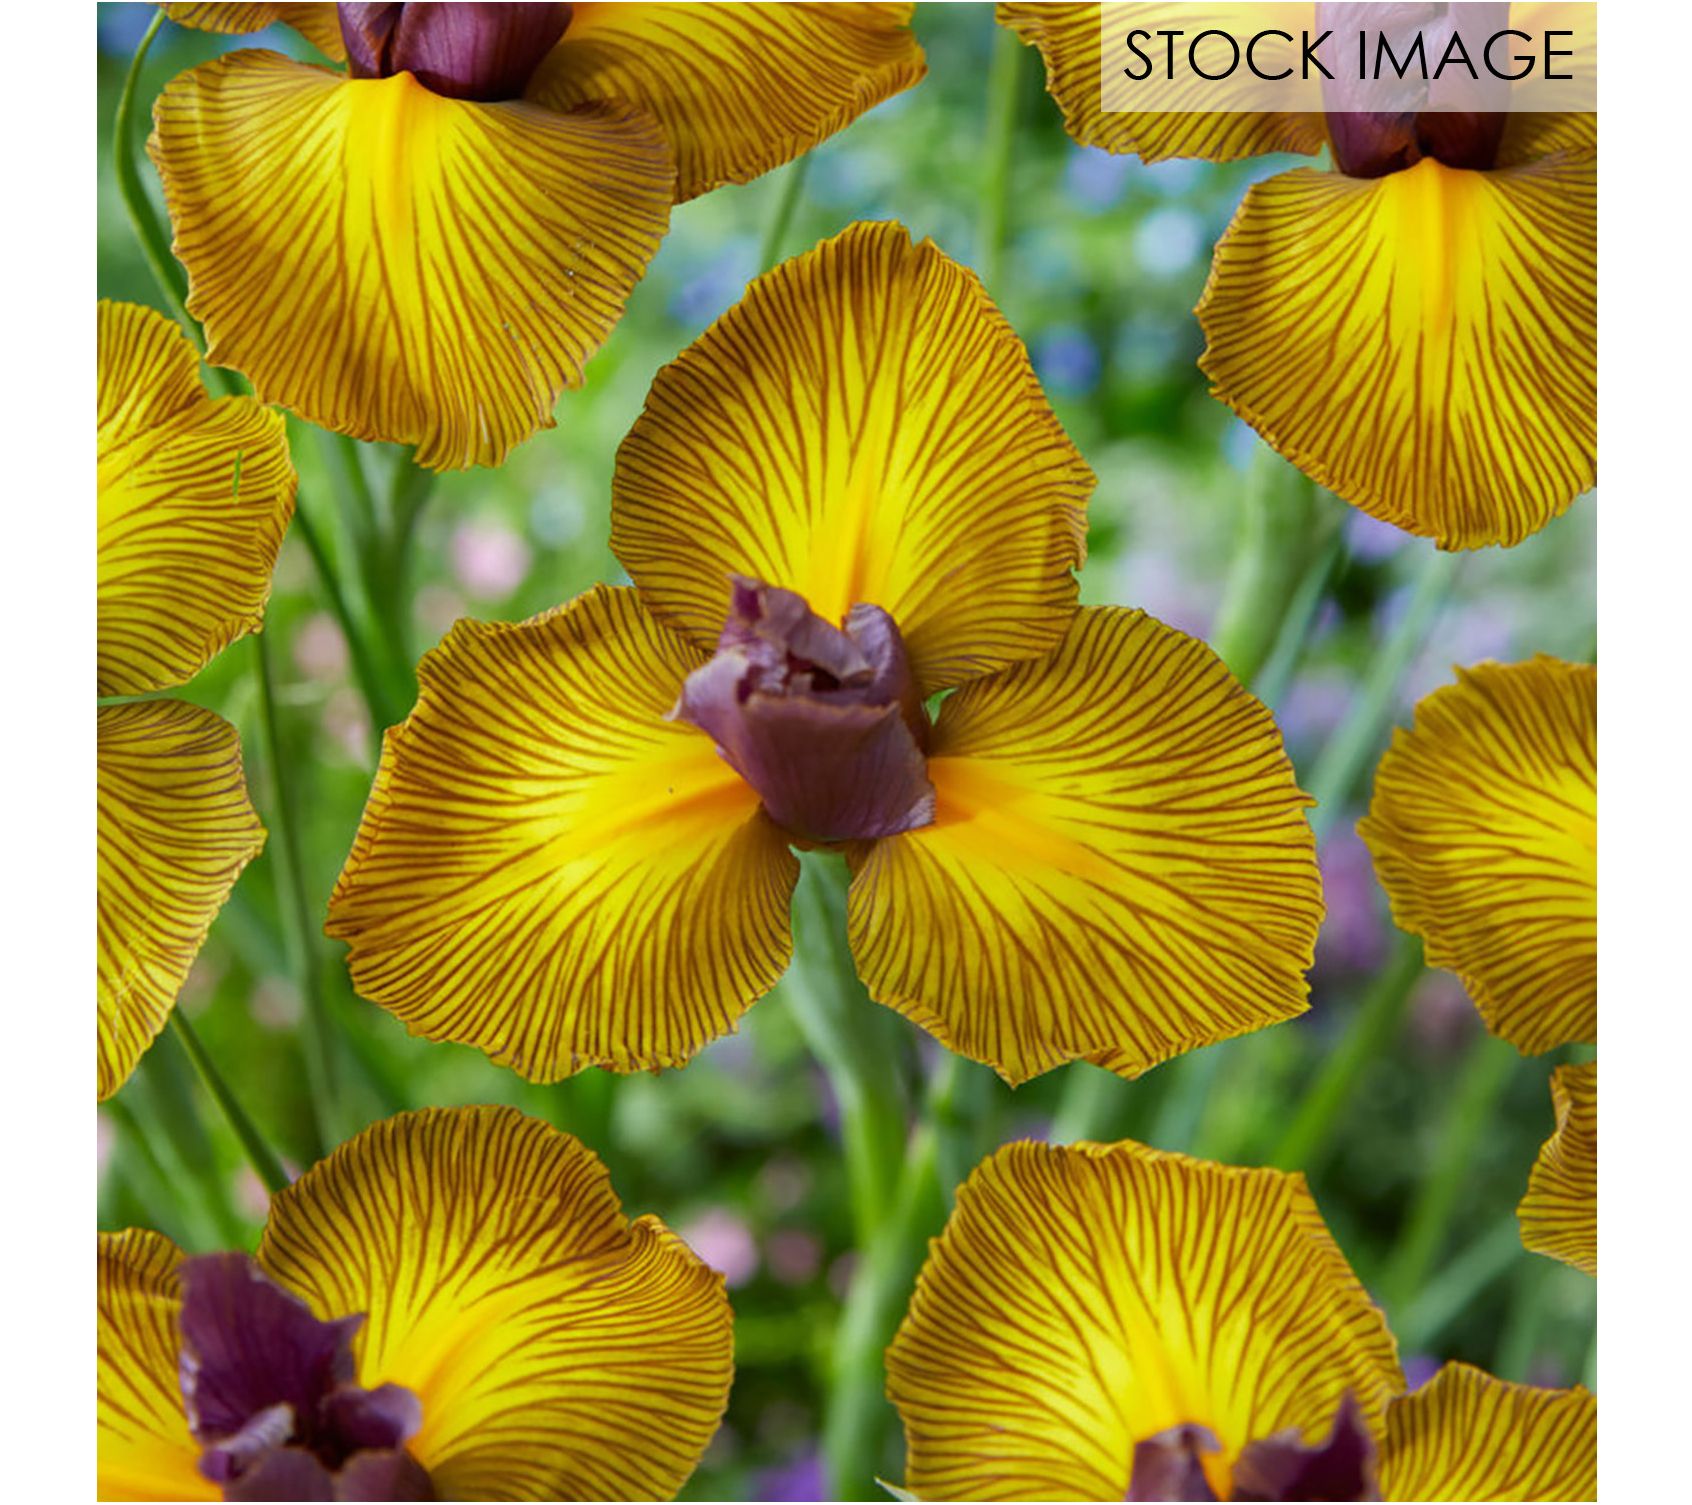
(1448, 1292)
(1480, 1083)
(383, 712)
(1270, 682)
(841, 1028)
(859, 1423)
(781, 215)
(1003, 99)
(296, 908)
(1274, 536)
(1306, 1138)
(1358, 739)
(1518, 1344)
(154, 1175)
(259, 1154)
(154, 245)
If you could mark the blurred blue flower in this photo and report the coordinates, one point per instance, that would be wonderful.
(1067, 361)
(1168, 241)
(1095, 179)
(710, 288)
(1370, 539)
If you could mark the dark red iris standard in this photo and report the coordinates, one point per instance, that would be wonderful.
(1168, 1467)
(272, 1396)
(463, 51)
(1457, 119)
(824, 722)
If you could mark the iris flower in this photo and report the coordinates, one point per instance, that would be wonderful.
(1415, 329)
(847, 496)
(1108, 1322)
(451, 1306)
(195, 494)
(1484, 830)
(428, 247)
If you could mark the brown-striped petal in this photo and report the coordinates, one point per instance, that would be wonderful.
(551, 870)
(1424, 343)
(1484, 830)
(738, 89)
(175, 828)
(1070, 41)
(144, 1448)
(1559, 1214)
(560, 1351)
(1087, 1298)
(318, 24)
(862, 427)
(194, 497)
(1467, 1436)
(396, 265)
(1119, 867)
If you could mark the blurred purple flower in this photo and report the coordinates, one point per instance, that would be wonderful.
(793, 1255)
(1372, 540)
(105, 1138)
(724, 1242)
(783, 1181)
(489, 559)
(800, 1478)
(1419, 1368)
(1353, 936)
(1442, 1019)
(1314, 706)
(1067, 361)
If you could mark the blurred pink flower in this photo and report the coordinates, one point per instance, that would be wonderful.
(275, 1003)
(724, 1242)
(346, 722)
(489, 559)
(436, 608)
(320, 649)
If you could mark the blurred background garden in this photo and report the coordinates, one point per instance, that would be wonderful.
(1415, 1128)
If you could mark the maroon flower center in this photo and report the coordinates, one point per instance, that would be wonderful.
(1387, 123)
(272, 1399)
(464, 51)
(824, 722)
(1169, 1467)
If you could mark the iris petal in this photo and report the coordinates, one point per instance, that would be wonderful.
(175, 830)
(560, 1351)
(862, 427)
(1119, 867)
(1423, 343)
(194, 497)
(1467, 1436)
(1484, 830)
(318, 24)
(1069, 39)
(396, 265)
(738, 89)
(1559, 1214)
(145, 1450)
(1084, 1299)
(552, 871)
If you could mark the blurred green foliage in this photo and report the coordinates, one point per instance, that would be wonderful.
(1105, 260)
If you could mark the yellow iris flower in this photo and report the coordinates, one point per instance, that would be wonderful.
(1108, 1322)
(1110, 859)
(542, 1345)
(194, 497)
(1423, 342)
(395, 261)
(1484, 831)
